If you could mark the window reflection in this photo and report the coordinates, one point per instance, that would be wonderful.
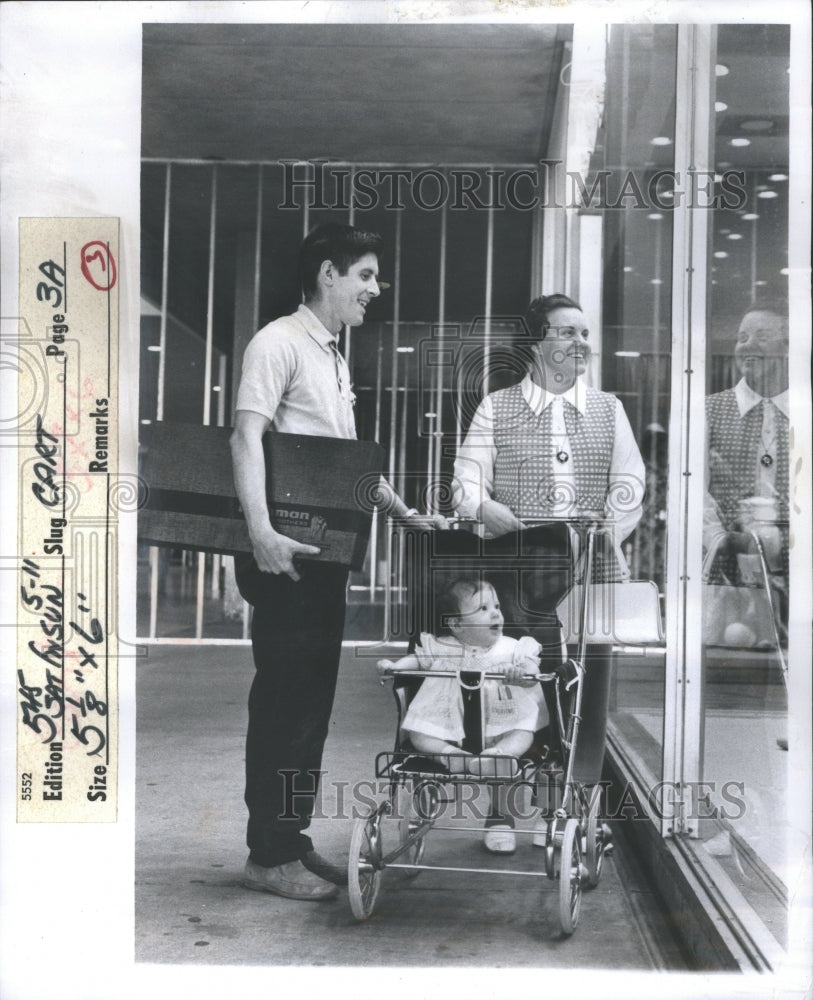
(635, 149)
(745, 533)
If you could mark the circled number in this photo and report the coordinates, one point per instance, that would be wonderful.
(99, 265)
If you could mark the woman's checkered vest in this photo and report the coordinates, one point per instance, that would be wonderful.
(734, 446)
(525, 477)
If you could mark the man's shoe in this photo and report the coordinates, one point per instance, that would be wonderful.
(291, 880)
(325, 869)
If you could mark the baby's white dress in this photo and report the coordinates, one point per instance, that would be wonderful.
(437, 708)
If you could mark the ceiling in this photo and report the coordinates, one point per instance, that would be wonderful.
(434, 94)
(362, 93)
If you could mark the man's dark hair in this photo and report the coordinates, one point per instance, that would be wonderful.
(537, 316)
(342, 245)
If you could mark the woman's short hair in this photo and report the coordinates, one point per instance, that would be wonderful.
(537, 315)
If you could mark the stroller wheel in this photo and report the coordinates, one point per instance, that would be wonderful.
(363, 878)
(596, 840)
(570, 877)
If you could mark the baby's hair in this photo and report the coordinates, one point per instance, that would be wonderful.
(448, 602)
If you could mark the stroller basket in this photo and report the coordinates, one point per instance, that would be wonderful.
(447, 766)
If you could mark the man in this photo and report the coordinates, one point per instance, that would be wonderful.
(747, 430)
(295, 381)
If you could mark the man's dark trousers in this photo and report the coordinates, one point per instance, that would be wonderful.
(296, 637)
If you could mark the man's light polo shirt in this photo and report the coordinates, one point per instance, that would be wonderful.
(294, 374)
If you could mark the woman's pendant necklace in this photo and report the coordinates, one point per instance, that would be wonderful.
(768, 439)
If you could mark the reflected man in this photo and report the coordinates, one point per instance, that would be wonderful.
(747, 430)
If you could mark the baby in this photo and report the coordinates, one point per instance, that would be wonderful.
(470, 610)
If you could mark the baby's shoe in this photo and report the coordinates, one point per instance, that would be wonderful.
(540, 835)
(499, 836)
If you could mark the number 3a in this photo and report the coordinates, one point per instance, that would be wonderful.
(44, 294)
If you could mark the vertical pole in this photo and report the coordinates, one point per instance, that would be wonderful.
(434, 472)
(754, 242)
(217, 559)
(396, 325)
(306, 214)
(396, 321)
(656, 324)
(684, 707)
(162, 363)
(351, 219)
(210, 291)
(258, 250)
(375, 523)
(255, 316)
(207, 377)
(489, 289)
(162, 359)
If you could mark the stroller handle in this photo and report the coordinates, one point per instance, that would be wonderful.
(486, 676)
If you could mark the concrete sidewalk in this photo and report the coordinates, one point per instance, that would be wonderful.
(190, 836)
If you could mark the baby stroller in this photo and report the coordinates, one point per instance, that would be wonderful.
(748, 594)
(540, 562)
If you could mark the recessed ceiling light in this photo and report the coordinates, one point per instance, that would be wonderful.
(735, 236)
(215, 388)
(778, 177)
(784, 270)
(154, 347)
(405, 350)
(661, 140)
(740, 141)
(720, 254)
(767, 194)
(721, 69)
(760, 282)
(757, 124)
(627, 270)
(146, 421)
(430, 415)
(628, 354)
(750, 216)
(720, 106)
(656, 281)
(654, 215)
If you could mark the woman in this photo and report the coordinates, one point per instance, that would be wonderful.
(550, 446)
